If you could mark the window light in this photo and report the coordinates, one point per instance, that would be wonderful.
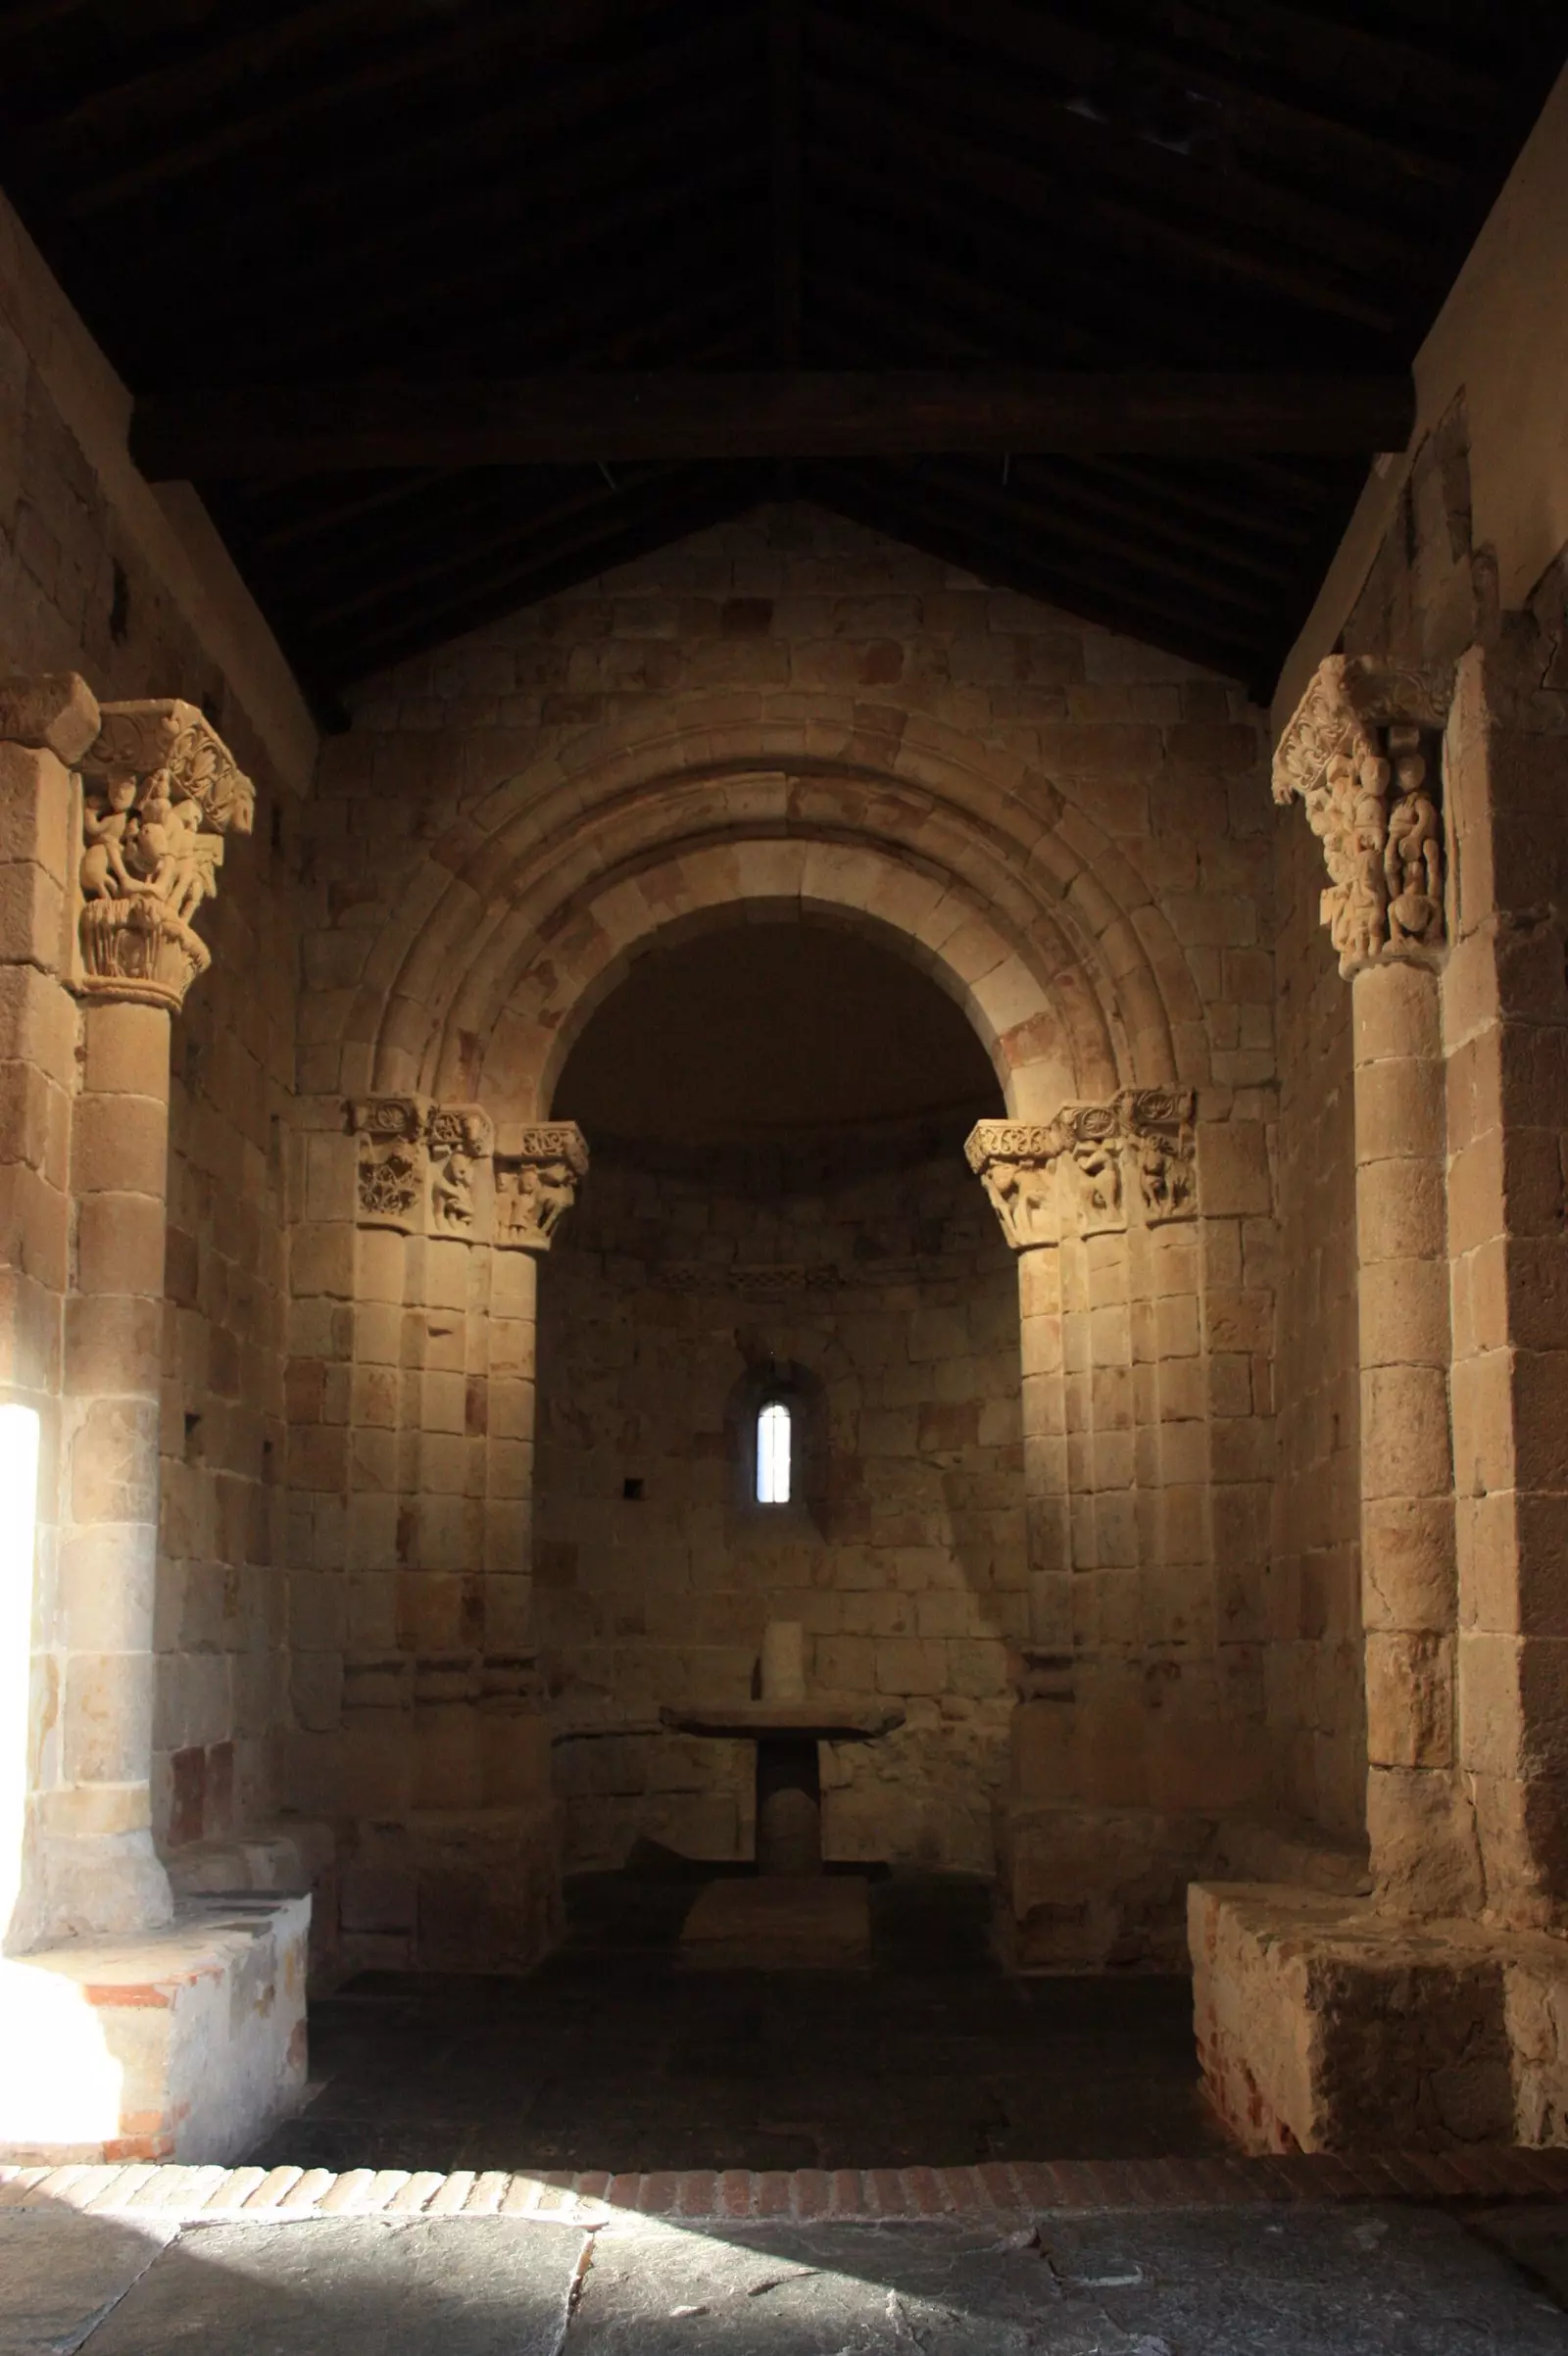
(774, 1454)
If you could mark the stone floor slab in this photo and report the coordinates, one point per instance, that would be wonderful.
(334, 2286)
(611, 2057)
(61, 2273)
(1534, 2236)
(1356, 2282)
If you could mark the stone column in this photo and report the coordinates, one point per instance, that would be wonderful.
(1423, 1851)
(1360, 751)
(1016, 1163)
(538, 1172)
(161, 793)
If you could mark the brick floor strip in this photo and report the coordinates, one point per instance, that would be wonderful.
(993, 2190)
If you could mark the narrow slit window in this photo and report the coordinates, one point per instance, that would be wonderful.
(774, 1451)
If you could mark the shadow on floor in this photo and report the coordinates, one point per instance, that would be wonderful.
(611, 2057)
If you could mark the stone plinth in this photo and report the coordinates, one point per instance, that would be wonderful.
(278, 1860)
(1325, 2026)
(780, 1923)
(185, 2043)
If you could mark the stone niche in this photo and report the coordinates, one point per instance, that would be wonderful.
(890, 1329)
(801, 1225)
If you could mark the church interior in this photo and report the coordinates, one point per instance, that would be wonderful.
(784, 1176)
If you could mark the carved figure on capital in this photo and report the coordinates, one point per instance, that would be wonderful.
(461, 1140)
(1159, 1123)
(162, 791)
(394, 1163)
(1078, 1174)
(536, 1185)
(1094, 1133)
(1363, 732)
(1015, 1162)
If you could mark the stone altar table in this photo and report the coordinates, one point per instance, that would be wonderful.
(792, 1916)
(789, 1782)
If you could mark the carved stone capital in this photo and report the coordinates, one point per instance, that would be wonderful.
(435, 1170)
(536, 1184)
(1361, 750)
(162, 791)
(1015, 1162)
(1093, 1166)
(393, 1179)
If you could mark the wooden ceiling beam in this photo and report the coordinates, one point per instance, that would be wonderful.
(1048, 197)
(672, 414)
(494, 41)
(568, 124)
(506, 253)
(784, 145)
(1236, 208)
(1280, 117)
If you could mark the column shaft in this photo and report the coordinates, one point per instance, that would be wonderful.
(108, 1877)
(1423, 1851)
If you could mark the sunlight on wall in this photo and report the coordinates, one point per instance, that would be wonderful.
(60, 2086)
(19, 1525)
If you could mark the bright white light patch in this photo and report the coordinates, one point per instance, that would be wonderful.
(19, 1522)
(774, 1454)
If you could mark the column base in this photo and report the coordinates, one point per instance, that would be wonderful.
(185, 2043)
(1324, 2025)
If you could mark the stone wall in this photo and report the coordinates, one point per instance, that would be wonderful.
(94, 577)
(890, 1296)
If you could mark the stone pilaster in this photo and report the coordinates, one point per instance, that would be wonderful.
(46, 724)
(1081, 1198)
(1505, 1030)
(438, 1717)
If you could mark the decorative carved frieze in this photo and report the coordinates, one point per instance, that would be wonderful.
(1081, 1173)
(536, 1185)
(162, 791)
(392, 1182)
(433, 1171)
(1361, 750)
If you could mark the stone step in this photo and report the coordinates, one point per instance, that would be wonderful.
(1004, 2188)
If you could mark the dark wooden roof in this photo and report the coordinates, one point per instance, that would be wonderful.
(239, 192)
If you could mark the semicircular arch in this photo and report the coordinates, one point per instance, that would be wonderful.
(550, 875)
